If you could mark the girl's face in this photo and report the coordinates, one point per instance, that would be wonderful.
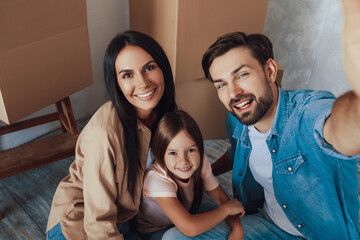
(140, 79)
(182, 156)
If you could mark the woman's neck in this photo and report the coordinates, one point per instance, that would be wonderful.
(149, 120)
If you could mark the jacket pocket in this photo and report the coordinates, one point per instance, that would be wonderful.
(296, 173)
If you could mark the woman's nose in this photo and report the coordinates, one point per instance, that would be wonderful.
(142, 81)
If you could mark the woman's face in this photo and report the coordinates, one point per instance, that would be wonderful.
(182, 156)
(140, 79)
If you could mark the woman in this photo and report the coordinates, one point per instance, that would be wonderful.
(101, 195)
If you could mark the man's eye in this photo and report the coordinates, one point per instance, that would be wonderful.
(149, 68)
(221, 85)
(242, 75)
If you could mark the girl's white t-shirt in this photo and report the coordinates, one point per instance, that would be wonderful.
(158, 183)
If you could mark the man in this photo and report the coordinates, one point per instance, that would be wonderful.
(293, 153)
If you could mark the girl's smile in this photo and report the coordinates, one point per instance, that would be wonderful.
(182, 157)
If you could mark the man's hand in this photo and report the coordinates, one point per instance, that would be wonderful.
(351, 43)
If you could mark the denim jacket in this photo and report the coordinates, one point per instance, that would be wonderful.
(316, 186)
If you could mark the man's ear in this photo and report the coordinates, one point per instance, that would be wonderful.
(271, 70)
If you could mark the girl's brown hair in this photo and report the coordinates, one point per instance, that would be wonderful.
(169, 126)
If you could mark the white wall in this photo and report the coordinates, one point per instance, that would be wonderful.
(307, 43)
(105, 19)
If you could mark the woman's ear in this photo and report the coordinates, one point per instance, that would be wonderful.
(271, 70)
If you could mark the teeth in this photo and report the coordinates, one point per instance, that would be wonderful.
(146, 94)
(184, 169)
(242, 104)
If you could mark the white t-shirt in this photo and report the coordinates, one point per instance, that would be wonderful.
(158, 183)
(260, 165)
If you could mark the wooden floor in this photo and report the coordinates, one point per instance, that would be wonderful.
(25, 198)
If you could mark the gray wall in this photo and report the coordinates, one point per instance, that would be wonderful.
(105, 19)
(307, 43)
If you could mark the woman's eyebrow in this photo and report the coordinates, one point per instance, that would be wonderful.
(143, 67)
(147, 64)
(124, 70)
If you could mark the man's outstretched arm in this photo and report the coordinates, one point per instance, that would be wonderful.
(342, 128)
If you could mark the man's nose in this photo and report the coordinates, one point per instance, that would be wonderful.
(234, 90)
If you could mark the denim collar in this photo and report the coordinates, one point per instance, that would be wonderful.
(282, 113)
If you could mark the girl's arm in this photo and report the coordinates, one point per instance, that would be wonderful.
(220, 197)
(193, 225)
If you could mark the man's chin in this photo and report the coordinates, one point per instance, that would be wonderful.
(245, 118)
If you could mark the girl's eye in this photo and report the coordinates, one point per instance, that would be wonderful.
(191, 150)
(149, 68)
(172, 153)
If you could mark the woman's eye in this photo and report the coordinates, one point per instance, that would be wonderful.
(172, 153)
(127, 75)
(151, 67)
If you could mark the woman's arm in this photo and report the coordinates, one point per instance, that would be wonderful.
(193, 225)
(99, 186)
(220, 197)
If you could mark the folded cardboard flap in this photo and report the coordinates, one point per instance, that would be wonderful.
(44, 54)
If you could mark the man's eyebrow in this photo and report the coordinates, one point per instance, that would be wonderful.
(232, 73)
(238, 69)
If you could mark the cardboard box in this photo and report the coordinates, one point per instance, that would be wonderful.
(199, 99)
(185, 29)
(44, 54)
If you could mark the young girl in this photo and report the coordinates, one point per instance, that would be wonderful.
(173, 184)
(102, 192)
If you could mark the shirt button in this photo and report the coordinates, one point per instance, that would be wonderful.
(299, 225)
(240, 174)
(289, 168)
(274, 150)
(284, 206)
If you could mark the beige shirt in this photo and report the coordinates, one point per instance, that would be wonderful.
(93, 198)
(158, 183)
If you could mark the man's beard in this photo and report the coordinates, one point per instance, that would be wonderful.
(263, 105)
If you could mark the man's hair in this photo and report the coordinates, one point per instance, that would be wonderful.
(259, 45)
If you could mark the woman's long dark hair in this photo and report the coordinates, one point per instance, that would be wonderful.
(125, 110)
(169, 126)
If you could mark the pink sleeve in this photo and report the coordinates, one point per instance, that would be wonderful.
(156, 184)
(210, 182)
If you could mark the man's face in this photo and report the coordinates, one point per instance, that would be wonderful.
(242, 85)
